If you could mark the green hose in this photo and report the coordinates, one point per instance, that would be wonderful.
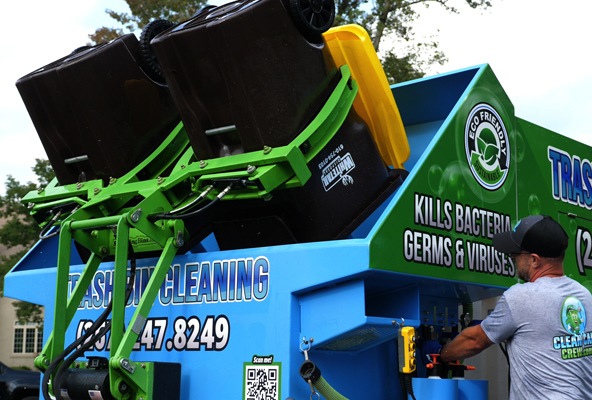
(327, 391)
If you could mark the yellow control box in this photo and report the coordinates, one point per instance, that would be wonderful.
(407, 350)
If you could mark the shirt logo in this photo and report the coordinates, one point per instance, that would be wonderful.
(573, 316)
(576, 343)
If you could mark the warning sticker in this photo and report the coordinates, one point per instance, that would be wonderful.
(95, 395)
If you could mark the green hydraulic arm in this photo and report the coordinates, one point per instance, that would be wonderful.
(103, 218)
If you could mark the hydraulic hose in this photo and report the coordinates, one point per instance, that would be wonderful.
(43, 234)
(45, 381)
(173, 214)
(83, 339)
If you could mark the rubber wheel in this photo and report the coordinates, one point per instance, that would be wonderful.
(312, 17)
(148, 58)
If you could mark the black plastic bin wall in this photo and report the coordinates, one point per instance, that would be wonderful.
(96, 112)
(244, 64)
(348, 182)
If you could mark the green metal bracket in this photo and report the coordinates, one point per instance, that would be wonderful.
(121, 369)
(105, 218)
(274, 167)
(48, 352)
(121, 344)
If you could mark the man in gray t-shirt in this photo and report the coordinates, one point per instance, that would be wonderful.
(543, 320)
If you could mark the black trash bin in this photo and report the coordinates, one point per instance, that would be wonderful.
(97, 113)
(244, 77)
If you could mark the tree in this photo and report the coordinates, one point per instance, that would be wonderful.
(394, 19)
(144, 11)
(21, 231)
(385, 19)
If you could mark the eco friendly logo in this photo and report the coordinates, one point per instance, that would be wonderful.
(573, 315)
(487, 146)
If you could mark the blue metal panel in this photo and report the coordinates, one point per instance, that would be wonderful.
(224, 314)
(432, 389)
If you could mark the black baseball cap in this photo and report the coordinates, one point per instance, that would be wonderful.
(538, 234)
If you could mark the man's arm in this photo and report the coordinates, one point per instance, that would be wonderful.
(469, 342)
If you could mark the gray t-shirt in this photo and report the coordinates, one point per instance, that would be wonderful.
(549, 338)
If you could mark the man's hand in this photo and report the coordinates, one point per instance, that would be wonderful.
(471, 341)
(427, 347)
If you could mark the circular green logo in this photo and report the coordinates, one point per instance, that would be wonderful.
(487, 146)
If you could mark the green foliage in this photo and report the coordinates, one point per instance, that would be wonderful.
(389, 21)
(20, 229)
(393, 21)
(413, 64)
(6, 264)
(144, 11)
(28, 312)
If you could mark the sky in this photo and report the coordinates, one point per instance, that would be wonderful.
(537, 49)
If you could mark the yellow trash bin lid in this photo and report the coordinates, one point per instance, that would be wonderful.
(351, 45)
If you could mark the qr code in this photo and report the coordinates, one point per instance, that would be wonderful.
(262, 382)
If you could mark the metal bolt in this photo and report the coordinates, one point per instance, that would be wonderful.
(104, 250)
(180, 240)
(40, 189)
(202, 164)
(31, 205)
(125, 364)
(79, 186)
(77, 365)
(112, 180)
(123, 388)
(266, 149)
(143, 365)
(97, 387)
(160, 180)
(46, 362)
(136, 215)
(183, 167)
(97, 190)
(268, 197)
(251, 169)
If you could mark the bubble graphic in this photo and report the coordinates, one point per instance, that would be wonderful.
(573, 225)
(534, 205)
(453, 182)
(520, 147)
(434, 178)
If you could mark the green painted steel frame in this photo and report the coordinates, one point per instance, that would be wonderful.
(277, 168)
(103, 222)
(121, 344)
